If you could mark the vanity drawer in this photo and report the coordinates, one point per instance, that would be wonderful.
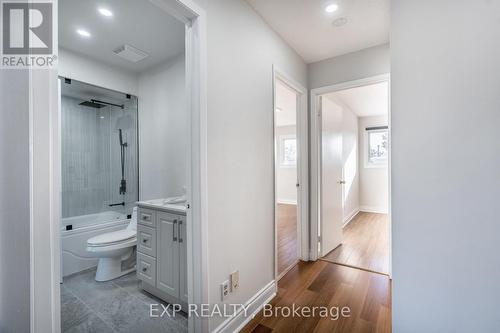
(146, 240)
(147, 217)
(146, 268)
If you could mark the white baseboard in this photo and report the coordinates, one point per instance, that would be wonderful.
(254, 305)
(286, 201)
(350, 216)
(373, 209)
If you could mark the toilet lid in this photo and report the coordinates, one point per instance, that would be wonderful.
(112, 237)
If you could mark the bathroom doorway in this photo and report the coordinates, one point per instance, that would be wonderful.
(290, 170)
(126, 103)
(124, 141)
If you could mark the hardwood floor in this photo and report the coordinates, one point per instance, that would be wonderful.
(318, 284)
(321, 283)
(365, 244)
(287, 236)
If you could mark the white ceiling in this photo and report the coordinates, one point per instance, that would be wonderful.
(286, 102)
(306, 27)
(371, 100)
(135, 22)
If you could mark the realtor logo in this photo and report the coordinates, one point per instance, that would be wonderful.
(27, 34)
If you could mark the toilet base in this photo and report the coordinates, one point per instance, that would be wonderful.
(111, 268)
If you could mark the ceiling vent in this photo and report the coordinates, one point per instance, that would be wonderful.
(130, 53)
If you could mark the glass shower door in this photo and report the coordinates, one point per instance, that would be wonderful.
(99, 154)
(123, 157)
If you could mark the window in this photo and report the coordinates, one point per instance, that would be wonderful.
(288, 151)
(378, 146)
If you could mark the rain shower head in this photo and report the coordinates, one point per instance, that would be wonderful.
(92, 104)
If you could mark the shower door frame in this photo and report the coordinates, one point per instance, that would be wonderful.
(137, 179)
(45, 178)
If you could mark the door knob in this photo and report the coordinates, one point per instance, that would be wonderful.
(342, 182)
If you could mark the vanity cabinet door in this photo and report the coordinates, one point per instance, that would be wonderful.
(167, 254)
(183, 293)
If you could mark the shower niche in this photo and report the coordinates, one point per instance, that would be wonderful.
(99, 155)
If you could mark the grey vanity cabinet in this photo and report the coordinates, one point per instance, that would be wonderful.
(167, 231)
(168, 261)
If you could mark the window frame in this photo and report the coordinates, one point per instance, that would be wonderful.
(366, 155)
(282, 139)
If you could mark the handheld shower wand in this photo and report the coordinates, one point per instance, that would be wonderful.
(123, 145)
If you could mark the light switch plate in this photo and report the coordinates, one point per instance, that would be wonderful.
(235, 280)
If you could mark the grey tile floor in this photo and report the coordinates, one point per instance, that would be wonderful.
(113, 306)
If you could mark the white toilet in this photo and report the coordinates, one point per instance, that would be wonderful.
(113, 249)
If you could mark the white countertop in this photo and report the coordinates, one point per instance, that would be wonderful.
(160, 204)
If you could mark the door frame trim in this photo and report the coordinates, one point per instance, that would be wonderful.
(302, 168)
(316, 155)
(45, 201)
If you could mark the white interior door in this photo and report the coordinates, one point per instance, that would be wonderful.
(331, 176)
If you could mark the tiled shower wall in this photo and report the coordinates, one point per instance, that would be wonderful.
(90, 155)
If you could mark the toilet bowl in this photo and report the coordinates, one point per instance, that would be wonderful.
(115, 250)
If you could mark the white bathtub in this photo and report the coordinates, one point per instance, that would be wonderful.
(74, 257)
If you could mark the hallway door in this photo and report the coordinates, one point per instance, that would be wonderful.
(331, 176)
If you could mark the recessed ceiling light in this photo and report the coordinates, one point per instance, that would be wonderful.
(331, 8)
(105, 12)
(83, 33)
(339, 22)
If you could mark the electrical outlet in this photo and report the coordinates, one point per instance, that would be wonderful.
(224, 289)
(235, 280)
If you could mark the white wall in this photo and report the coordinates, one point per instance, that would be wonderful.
(352, 66)
(14, 202)
(162, 131)
(74, 66)
(286, 177)
(350, 196)
(445, 165)
(241, 52)
(374, 181)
